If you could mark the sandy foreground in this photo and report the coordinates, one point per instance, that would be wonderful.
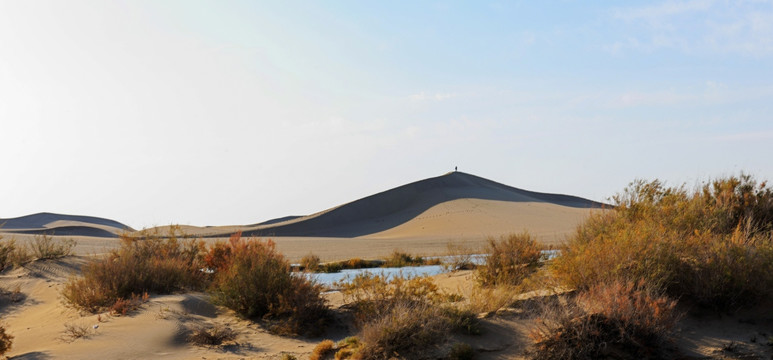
(39, 324)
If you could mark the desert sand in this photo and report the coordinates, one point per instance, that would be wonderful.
(420, 218)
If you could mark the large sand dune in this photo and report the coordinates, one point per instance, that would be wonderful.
(456, 205)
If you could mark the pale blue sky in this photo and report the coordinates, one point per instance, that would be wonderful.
(228, 112)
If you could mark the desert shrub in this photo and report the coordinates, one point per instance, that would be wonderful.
(254, 280)
(401, 316)
(407, 328)
(322, 350)
(402, 259)
(355, 263)
(461, 351)
(462, 319)
(211, 336)
(44, 247)
(373, 295)
(74, 332)
(348, 348)
(122, 306)
(6, 340)
(626, 319)
(460, 257)
(711, 246)
(510, 260)
(11, 254)
(144, 263)
(310, 263)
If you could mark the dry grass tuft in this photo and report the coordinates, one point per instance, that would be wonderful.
(322, 350)
(45, 247)
(73, 332)
(212, 336)
(11, 254)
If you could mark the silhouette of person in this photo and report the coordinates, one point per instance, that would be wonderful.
(456, 168)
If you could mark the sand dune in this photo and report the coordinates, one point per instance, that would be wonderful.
(492, 207)
(63, 225)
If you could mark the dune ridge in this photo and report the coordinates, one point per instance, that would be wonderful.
(63, 225)
(391, 208)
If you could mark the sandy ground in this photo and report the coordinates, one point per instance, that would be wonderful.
(158, 330)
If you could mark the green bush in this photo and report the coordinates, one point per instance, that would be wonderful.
(254, 280)
(713, 246)
(510, 260)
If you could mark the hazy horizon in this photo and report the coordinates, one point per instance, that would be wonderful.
(234, 112)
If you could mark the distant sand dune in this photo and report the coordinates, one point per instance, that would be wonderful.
(454, 206)
(64, 225)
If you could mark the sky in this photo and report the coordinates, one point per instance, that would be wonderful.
(235, 112)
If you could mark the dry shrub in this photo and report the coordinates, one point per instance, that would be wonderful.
(11, 254)
(322, 350)
(6, 340)
(460, 257)
(401, 317)
(713, 246)
(348, 348)
(618, 320)
(121, 307)
(403, 259)
(211, 336)
(407, 330)
(254, 280)
(144, 263)
(373, 295)
(510, 260)
(310, 263)
(44, 247)
(73, 332)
